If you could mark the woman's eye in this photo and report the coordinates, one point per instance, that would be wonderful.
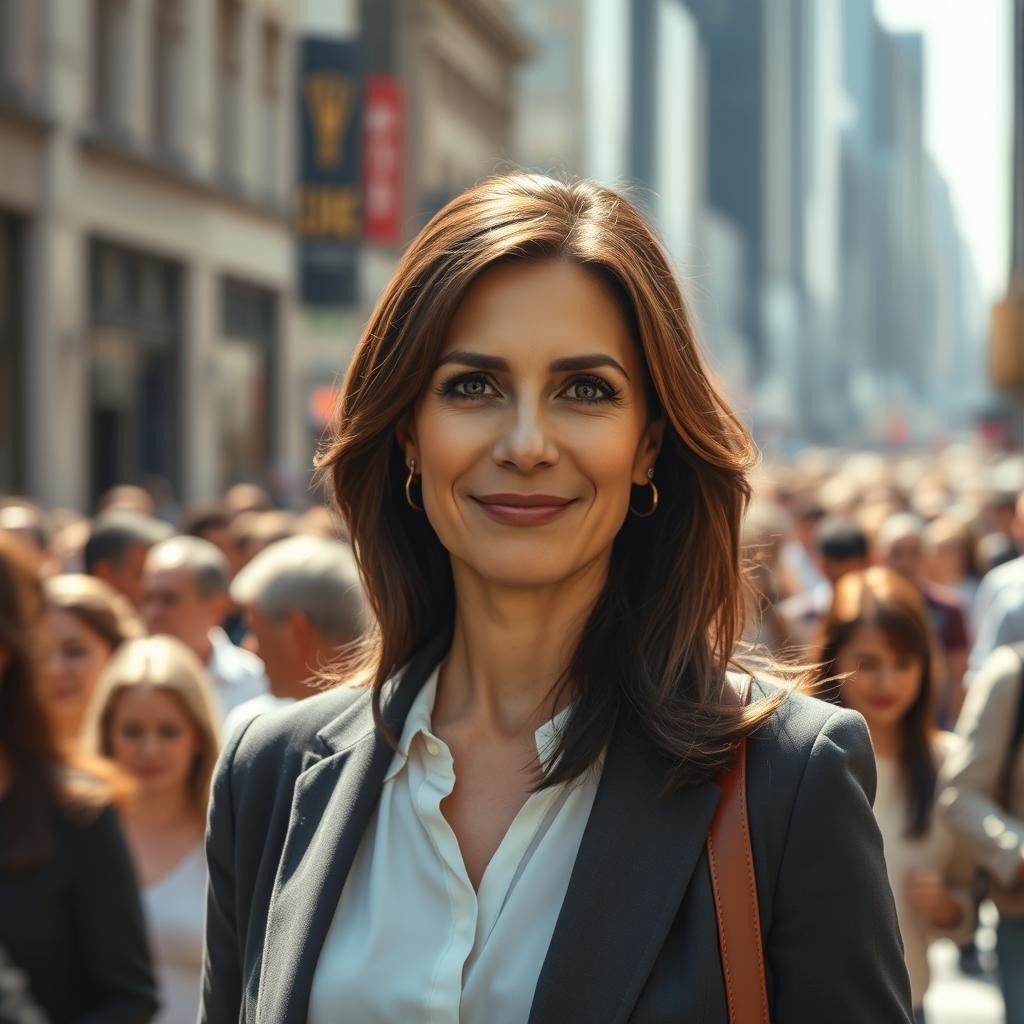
(168, 732)
(472, 386)
(589, 389)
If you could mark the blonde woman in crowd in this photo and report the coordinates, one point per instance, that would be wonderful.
(85, 622)
(877, 640)
(153, 715)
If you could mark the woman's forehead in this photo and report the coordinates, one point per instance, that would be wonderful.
(543, 307)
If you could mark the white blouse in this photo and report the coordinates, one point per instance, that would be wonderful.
(411, 940)
(175, 909)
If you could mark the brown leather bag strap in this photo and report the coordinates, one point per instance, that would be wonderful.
(731, 861)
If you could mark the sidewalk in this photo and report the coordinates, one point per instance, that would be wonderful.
(954, 998)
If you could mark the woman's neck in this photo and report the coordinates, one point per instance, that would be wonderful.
(510, 647)
(156, 812)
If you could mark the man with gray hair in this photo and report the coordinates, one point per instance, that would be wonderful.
(185, 594)
(303, 600)
(117, 547)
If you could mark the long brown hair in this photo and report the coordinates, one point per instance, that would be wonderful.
(657, 643)
(882, 598)
(40, 777)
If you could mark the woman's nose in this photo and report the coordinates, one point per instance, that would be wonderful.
(525, 440)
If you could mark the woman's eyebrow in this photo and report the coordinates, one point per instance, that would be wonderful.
(479, 361)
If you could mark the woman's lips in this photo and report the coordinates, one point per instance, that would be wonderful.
(523, 509)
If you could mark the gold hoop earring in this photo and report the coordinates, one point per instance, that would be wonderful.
(654, 498)
(408, 486)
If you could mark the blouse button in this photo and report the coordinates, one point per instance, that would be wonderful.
(432, 748)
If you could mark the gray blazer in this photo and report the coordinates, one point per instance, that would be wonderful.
(636, 939)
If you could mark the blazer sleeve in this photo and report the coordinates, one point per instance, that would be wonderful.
(109, 922)
(221, 996)
(834, 948)
(970, 774)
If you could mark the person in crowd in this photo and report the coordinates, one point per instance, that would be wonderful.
(798, 559)
(766, 527)
(258, 530)
(185, 584)
(117, 547)
(303, 602)
(26, 521)
(504, 815)
(85, 621)
(127, 498)
(247, 498)
(875, 656)
(983, 801)
(841, 547)
(72, 936)
(214, 522)
(153, 716)
(900, 545)
(1009, 573)
(951, 558)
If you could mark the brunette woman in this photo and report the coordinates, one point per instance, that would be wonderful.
(876, 657)
(85, 621)
(71, 928)
(503, 817)
(153, 716)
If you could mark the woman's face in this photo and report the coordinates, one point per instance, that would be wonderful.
(533, 427)
(884, 683)
(74, 657)
(153, 738)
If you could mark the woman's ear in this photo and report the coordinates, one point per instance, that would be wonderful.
(405, 435)
(647, 450)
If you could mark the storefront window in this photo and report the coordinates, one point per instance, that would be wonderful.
(135, 350)
(244, 375)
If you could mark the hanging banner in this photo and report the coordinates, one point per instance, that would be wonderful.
(382, 161)
(328, 209)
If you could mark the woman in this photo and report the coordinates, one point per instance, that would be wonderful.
(951, 558)
(504, 818)
(153, 716)
(86, 620)
(72, 938)
(877, 640)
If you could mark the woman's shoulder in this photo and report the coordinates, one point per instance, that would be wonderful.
(806, 743)
(282, 736)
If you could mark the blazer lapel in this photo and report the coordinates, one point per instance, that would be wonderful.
(635, 861)
(334, 799)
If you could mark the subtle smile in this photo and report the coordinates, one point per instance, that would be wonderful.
(523, 509)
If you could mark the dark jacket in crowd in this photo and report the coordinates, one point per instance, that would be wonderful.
(73, 927)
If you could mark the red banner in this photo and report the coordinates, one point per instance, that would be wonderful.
(382, 160)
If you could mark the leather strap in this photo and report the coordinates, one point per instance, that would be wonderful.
(731, 861)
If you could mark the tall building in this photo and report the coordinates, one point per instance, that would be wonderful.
(146, 257)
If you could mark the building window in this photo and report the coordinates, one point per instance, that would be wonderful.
(245, 358)
(108, 16)
(168, 49)
(136, 311)
(229, 89)
(270, 108)
(12, 449)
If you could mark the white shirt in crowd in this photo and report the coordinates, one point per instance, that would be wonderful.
(411, 940)
(175, 908)
(937, 850)
(237, 675)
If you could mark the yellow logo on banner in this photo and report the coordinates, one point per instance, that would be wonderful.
(331, 99)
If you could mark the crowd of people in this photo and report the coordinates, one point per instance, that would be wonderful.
(128, 655)
(131, 648)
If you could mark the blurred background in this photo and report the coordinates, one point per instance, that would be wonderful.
(201, 199)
